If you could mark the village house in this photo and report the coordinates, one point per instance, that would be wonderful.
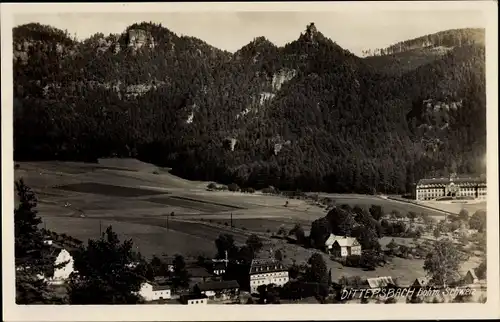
(220, 290)
(219, 267)
(194, 299)
(153, 292)
(265, 272)
(341, 246)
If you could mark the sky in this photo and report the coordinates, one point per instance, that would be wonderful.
(231, 30)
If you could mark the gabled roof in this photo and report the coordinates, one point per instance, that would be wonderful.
(331, 239)
(193, 297)
(379, 282)
(422, 281)
(157, 287)
(219, 266)
(261, 266)
(472, 274)
(218, 285)
(445, 181)
(347, 242)
(198, 272)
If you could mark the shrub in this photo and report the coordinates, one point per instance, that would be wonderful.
(233, 187)
(353, 261)
(212, 186)
(269, 189)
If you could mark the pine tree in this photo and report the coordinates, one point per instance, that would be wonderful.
(109, 272)
(31, 261)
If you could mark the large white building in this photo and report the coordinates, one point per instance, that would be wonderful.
(454, 186)
(265, 272)
(153, 292)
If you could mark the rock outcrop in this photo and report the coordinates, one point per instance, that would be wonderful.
(281, 77)
(138, 38)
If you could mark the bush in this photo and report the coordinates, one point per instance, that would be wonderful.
(353, 261)
(212, 186)
(269, 189)
(233, 187)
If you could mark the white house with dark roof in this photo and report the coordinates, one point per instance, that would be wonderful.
(220, 290)
(265, 272)
(342, 246)
(153, 292)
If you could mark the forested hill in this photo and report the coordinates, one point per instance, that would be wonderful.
(407, 55)
(309, 115)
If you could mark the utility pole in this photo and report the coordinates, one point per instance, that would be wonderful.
(100, 228)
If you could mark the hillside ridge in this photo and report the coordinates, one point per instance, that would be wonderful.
(308, 115)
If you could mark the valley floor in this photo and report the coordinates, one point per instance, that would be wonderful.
(164, 214)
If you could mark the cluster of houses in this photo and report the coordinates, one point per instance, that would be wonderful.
(468, 281)
(208, 287)
(206, 280)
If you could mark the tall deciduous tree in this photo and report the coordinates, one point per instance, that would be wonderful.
(254, 243)
(443, 262)
(478, 221)
(180, 274)
(225, 246)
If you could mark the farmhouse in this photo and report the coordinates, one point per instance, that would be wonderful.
(265, 272)
(194, 299)
(380, 282)
(342, 246)
(153, 292)
(220, 290)
(454, 186)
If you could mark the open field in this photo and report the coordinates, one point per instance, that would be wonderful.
(136, 199)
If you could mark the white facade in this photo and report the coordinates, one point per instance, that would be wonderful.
(431, 189)
(149, 293)
(342, 246)
(278, 278)
(197, 301)
(63, 273)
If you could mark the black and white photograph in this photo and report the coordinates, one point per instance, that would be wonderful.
(250, 155)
